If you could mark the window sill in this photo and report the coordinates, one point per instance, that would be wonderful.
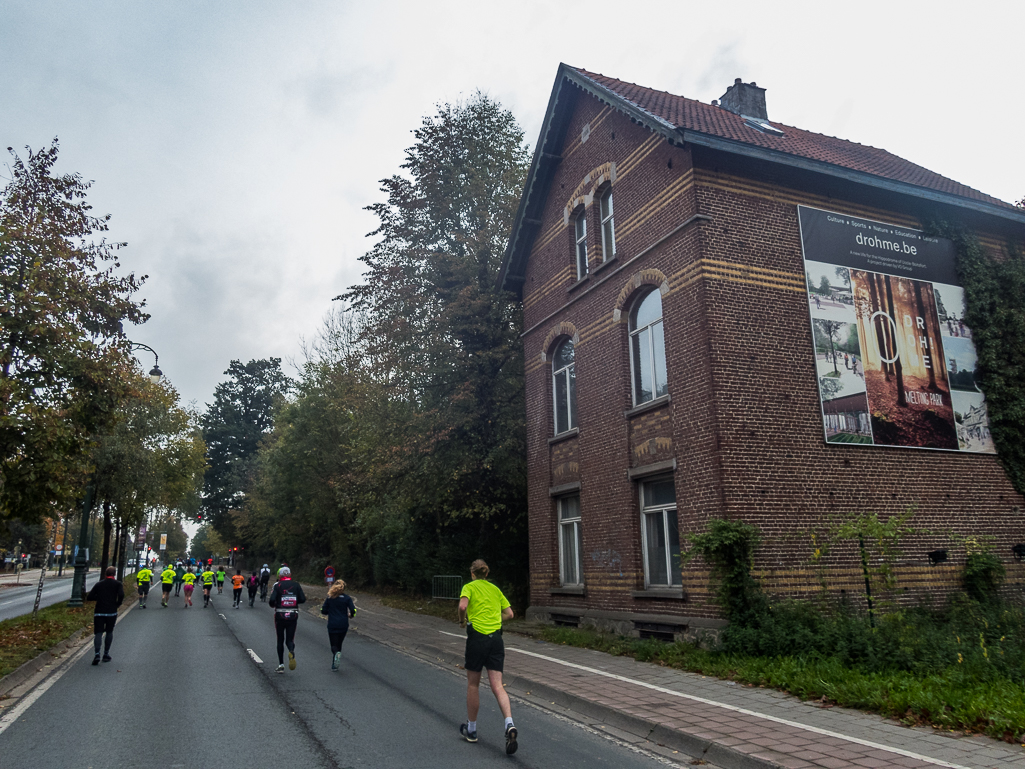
(568, 590)
(654, 404)
(564, 436)
(659, 592)
(579, 284)
(603, 265)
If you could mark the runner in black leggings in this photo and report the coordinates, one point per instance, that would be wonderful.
(285, 599)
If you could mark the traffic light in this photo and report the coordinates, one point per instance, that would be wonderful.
(199, 517)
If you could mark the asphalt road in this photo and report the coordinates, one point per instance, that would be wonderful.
(184, 690)
(15, 601)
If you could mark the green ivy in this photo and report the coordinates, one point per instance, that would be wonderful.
(995, 311)
(728, 547)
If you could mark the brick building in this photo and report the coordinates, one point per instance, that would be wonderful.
(673, 373)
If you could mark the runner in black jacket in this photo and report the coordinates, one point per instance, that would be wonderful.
(108, 594)
(285, 599)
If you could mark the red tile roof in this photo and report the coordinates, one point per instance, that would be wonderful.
(692, 115)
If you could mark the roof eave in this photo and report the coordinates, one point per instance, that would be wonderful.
(543, 165)
(847, 174)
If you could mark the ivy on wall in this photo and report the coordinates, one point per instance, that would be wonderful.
(995, 312)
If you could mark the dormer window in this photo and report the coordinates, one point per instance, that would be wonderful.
(608, 227)
(581, 244)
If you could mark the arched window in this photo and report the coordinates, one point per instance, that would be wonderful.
(608, 227)
(648, 349)
(564, 387)
(581, 244)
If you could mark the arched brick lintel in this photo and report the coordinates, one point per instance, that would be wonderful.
(649, 277)
(565, 328)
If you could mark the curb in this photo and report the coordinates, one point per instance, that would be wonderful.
(543, 695)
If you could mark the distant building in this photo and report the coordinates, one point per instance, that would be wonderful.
(671, 373)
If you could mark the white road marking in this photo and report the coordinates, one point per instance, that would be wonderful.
(11, 716)
(735, 709)
(454, 635)
(29, 699)
(256, 659)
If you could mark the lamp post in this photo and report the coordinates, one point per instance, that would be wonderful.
(154, 373)
(78, 585)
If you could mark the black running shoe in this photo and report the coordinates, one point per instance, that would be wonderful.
(96, 660)
(510, 740)
(106, 658)
(465, 731)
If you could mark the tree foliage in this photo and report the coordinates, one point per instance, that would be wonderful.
(233, 426)
(63, 354)
(403, 450)
(995, 312)
(151, 456)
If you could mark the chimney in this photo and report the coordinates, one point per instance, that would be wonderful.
(745, 99)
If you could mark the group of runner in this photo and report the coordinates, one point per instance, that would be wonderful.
(482, 610)
(183, 578)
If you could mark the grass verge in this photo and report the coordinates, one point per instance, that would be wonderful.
(950, 699)
(417, 605)
(24, 638)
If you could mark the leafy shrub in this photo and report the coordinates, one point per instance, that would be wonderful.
(729, 547)
(983, 574)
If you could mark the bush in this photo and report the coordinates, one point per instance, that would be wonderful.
(983, 574)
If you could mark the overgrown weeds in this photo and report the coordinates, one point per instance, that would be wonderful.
(968, 695)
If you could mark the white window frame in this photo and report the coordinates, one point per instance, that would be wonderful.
(608, 226)
(580, 240)
(674, 578)
(571, 525)
(568, 372)
(635, 336)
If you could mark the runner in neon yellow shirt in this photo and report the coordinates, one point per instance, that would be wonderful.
(143, 577)
(486, 608)
(166, 581)
(208, 583)
(189, 578)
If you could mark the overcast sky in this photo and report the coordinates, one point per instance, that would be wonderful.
(236, 143)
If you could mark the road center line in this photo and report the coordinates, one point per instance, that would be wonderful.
(735, 709)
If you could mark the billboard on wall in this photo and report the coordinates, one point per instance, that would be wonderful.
(894, 360)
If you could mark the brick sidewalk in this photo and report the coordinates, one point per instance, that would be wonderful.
(726, 724)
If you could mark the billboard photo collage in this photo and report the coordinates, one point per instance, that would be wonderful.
(894, 360)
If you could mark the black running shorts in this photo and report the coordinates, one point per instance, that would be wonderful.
(484, 651)
(166, 587)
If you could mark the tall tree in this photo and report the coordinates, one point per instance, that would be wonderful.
(233, 426)
(63, 300)
(151, 456)
(440, 334)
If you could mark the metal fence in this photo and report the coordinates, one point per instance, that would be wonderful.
(446, 587)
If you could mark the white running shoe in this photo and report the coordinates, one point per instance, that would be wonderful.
(281, 669)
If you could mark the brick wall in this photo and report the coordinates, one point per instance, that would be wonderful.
(743, 421)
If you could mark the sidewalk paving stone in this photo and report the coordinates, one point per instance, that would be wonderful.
(750, 726)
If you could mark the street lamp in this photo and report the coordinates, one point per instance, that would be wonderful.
(78, 585)
(154, 373)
